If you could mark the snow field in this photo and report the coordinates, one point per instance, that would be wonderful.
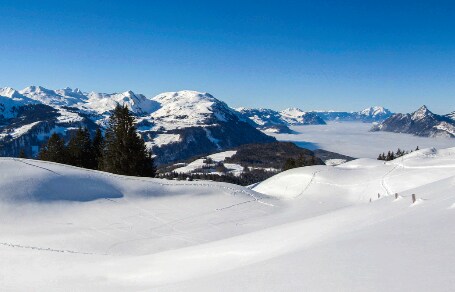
(306, 229)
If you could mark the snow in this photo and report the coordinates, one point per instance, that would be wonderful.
(68, 116)
(334, 162)
(294, 116)
(355, 139)
(10, 100)
(312, 229)
(17, 132)
(449, 128)
(164, 139)
(102, 103)
(374, 111)
(217, 157)
(188, 108)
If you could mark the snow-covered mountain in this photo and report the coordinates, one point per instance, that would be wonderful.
(316, 228)
(271, 121)
(451, 116)
(10, 102)
(176, 125)
(368, 115)
(296, 117)
(422, 122)
(266, 120)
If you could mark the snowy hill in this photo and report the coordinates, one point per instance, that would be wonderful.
(312, 229)
(371, 114)
(176, 125)
(422, 122)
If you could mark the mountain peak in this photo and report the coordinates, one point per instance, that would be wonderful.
(421, 113)
(8, 92)
(190, 96)
(375, 111)
(423, 108)
(292, 110)
(33, 88)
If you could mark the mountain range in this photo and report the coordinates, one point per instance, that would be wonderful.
(272, 121)
(175, 125)
(422, 122)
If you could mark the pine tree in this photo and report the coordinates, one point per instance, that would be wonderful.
(54, 150)
(300, 162)
(80, 149)
(289, 164)
(125, 151)
(97, 148)
(389, 156)
(22, 153)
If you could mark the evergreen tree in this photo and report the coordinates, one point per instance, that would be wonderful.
(289, 164)
(388, 157)
(97, 148)
(22, 153)
(80, 149)
(54, 150)
(300, 161)
(125, 151)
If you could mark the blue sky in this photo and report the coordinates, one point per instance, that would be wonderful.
(342, 55)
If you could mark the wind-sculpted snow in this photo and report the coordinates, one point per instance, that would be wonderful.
(320, 228)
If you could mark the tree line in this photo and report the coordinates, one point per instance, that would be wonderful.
(301, 161)
(121, 150)
(393, 155)
(246, 178)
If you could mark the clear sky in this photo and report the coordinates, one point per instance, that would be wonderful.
(343, 55)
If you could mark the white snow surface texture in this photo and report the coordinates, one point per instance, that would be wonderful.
(308, 229)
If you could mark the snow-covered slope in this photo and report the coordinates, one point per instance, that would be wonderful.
(315, 231)
(11, 101)
(451, 116)
(190, 108)
(102, 103)
(422, 122)
(266, 120)
(198, 164)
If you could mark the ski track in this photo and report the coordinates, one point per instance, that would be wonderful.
(7, 244)
(309, 183)
(37, 166)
